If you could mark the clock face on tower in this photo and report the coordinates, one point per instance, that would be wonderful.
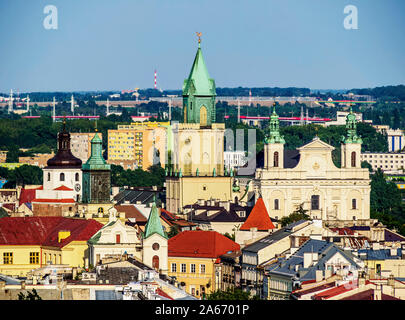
(77, 187)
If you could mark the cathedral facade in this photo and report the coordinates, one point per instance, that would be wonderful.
(308, 177)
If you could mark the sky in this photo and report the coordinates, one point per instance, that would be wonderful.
(117, 44)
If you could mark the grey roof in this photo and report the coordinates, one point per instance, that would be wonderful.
(273, 237)
(382, 254)
(268, 240)
(108, 295)
(9, 280)
(325, 250)
(141, 195)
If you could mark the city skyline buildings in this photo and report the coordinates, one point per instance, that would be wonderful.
(255, 44)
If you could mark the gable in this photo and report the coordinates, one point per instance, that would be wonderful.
(316, 144)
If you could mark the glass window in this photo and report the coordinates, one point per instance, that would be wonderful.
(276, 204)
(192, 268)
(62, 177)
(202, 268)
(354, 204)
(7, 258)
(174, 267)
(183, 267)
(315, 202)
(34, 257)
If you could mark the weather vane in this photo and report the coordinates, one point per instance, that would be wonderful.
(199, 34)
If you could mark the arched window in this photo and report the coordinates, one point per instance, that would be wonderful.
(354, 204)
(49, 176)
(77, 176)
(100, 210)
(276, 204)
(155, 262)
(315, 202)
(62, 177)
(353, 159)
(275, 160)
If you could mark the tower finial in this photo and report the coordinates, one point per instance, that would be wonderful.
(95, 126)
(199, 34)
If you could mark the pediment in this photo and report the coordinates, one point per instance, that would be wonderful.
(316, 144)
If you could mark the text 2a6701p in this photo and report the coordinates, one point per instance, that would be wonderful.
(223, 309)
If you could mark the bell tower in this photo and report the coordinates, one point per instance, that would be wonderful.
(351, 144)
(199, 92)
(274, 144)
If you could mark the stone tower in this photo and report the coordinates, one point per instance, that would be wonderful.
(96, 175)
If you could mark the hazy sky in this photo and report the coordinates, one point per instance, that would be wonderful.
(117, 44)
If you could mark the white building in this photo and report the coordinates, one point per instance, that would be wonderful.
(114, 240)
(234, 159)
(341, 118)
(388, 161)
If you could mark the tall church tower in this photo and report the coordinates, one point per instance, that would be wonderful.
(274, 144)
(96, 175)
(196, 167)
(351, 144)
(199, 93)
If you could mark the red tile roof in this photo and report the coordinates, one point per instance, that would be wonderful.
(44, 230)
(337, 290)
(202, 244)
(63, 188)
(27, 195)
(131, 212)
(160, 292)
(258, 218)
(369, 295)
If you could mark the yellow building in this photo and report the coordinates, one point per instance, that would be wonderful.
(138, 145)
(193, 260)
(32, 242)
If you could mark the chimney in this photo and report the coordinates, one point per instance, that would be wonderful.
(318, 275)
(376, 246)
(307, 259)
(74, 273)
(328, 273)
(315, 236)
(377, 293)
(393, 252)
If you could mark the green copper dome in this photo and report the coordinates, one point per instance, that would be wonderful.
(274, 129)
(351, 127)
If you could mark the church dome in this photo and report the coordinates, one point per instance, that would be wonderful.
(64, 157)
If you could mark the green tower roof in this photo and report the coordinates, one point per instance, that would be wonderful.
(274, 129)
(96, 160)
(153, 225)
(351, 129)
(199, 81)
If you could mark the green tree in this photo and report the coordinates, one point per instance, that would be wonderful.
(230, 294)
(297, 215)
(30, 295)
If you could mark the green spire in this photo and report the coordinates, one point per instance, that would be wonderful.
(351, 128)
(274, 129)
(199, 93)
(96, 160)
(154, 225)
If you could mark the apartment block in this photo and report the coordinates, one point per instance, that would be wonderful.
(138, 145)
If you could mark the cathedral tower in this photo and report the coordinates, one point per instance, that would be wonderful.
(351, 144)
(274, 144)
